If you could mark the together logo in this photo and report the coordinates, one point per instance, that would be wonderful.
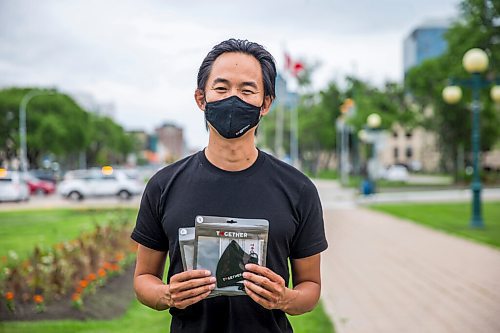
(231, 234)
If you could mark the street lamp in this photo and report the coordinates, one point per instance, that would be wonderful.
(347, 110)
(23, 151)
(373, 122)
(370, 135)
(475, 61)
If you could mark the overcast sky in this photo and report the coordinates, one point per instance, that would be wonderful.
(143, 56)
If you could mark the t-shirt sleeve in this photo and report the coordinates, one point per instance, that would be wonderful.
(148, 229)
(309, 238)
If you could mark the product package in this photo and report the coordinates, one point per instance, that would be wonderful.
(224, 245)
(186, 244)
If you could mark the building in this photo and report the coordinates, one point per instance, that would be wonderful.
(424, 42)
(170, 143)
(416, 148)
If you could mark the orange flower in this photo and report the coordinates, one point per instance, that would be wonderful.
(9, 296)
(107, 265)
(75, 297)
(91, 277)
(115, 267)
(119, 256)
(38, 299)
(84, 284)
(101, 272)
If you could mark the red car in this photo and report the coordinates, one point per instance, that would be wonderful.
(38, 186)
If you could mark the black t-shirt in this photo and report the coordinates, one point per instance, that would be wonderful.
(269, 189)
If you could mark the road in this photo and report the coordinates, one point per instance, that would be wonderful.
(56, 201)
(332, 195)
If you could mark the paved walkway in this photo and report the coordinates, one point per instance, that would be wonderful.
(384, 274)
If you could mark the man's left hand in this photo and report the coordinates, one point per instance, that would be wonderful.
(266, 287)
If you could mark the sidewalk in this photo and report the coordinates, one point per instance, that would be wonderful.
(383, 274)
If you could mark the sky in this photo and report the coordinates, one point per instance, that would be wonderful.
(142, 57)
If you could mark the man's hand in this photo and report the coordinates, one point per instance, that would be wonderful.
(267, 288)
(185, 289)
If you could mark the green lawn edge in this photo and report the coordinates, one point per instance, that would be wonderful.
(452, 218)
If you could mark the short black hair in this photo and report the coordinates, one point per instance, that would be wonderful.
(265, 59)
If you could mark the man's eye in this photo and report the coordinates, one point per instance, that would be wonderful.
(247, 92)
(220, 89)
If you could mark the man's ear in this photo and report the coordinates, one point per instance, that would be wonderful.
(266, 106)
(199, 97)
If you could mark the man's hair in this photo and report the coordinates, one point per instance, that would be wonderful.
(265, 59)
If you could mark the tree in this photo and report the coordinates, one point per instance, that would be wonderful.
(55, 125)
(389, 103)
(109, 143)
(319, 111)
(58, 126)
(476, 27)
(317, 132)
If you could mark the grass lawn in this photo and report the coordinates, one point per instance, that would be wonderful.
(22, 230)
(137, 318)
(451, 217)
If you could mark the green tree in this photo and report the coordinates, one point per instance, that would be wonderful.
(476, 27)
(388, 102)
(109, 143)
(317, 131)
(55, 125)
(58, 126)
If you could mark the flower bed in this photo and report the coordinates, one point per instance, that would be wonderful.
(68, 273)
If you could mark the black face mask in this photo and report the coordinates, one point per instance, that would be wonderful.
(232, 117)
(231, 265)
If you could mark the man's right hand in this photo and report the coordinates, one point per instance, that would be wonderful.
(185, 289)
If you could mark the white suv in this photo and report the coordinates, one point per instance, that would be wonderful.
(13, 187)
(78, 184)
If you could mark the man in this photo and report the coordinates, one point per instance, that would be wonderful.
(231, 177)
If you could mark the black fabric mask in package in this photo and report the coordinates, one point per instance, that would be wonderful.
(224, 245)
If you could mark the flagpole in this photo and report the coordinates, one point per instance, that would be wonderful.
(294, 137)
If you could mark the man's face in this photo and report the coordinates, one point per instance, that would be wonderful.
(235, 74)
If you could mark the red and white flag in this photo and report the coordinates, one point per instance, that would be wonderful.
(294, 67)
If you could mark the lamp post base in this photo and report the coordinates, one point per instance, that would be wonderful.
(476, 221)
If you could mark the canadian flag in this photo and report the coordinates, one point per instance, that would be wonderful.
(293, 66)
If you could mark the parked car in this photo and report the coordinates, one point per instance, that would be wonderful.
(39, 186)
(46, 175)
(397, 173)
(13, 187)
(79, 184)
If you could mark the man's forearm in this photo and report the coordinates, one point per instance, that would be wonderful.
(150, 291)
(301, 299)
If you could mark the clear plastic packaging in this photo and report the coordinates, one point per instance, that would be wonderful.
(224, 245)
(186, 244)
